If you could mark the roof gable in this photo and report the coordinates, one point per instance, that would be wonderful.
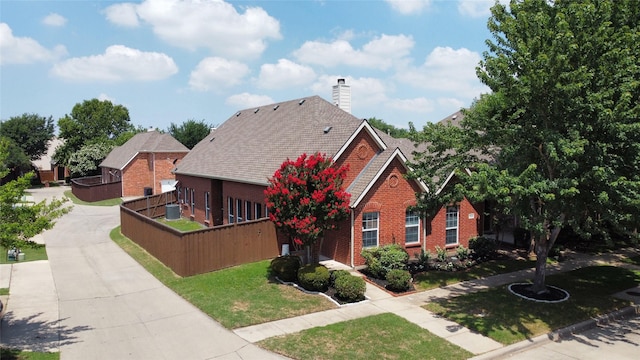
(150, 142)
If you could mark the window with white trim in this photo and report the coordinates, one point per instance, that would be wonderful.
(451, 225)
(178, 190)
(258, 210)
(412, 227)
(186, 195)
(239, 210)
(230, 209)
(207, 206)
(247, 210)
(193, 201)
(370, 223)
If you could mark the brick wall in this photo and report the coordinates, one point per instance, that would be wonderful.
(469, 225)
(146, 170)
(357, 156)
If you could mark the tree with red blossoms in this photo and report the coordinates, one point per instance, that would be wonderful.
(305, 197)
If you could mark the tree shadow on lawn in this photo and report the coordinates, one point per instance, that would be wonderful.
(508, 319)
(31, 333)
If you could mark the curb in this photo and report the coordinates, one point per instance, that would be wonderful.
(564, 333)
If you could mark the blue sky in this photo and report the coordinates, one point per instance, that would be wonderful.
(173, 60)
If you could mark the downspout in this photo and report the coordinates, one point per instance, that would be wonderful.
(154, 172)
(352, 242)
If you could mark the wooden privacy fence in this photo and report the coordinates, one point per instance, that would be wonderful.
(200, 251)
(92, 189)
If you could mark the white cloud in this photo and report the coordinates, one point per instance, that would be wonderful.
(212, 24)
(417, 105)
(118, 63)
(24, 50)
(380, 53)
(215, 72)
(123, 14)
(409, 7)
(446, 70)
(247, 100)
(285, 74)
(477, 8)
(54, 19)
(103, 97)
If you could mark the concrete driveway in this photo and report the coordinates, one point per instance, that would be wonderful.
(91, 300)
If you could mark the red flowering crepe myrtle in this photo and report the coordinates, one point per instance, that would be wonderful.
(305, 198)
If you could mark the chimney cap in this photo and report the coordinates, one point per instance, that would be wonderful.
(341, 81)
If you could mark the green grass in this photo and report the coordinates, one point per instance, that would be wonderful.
(108, 202)
(4, 291)
(384, 336)
(507, 318)
(39, 252)
(13, 354)
(433, 279)
(182, 224)
(236, 297)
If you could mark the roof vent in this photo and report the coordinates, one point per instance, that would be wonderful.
(238, 113)
(256, 110)
(212, 138)
(327, 129)
(276, 107)
(301, 102)
(454, 117)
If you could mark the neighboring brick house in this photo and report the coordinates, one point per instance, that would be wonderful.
(223, 178)
(144, 163)
(48, 170)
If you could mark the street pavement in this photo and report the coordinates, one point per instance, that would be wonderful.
(90, 300)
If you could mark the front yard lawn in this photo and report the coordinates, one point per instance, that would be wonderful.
(12, 354)
(236, 297)
(39, 252)
(384, 336)
(507, 318)
(433, 279)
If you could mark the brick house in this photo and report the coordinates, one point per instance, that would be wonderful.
(221, 181)
(46, 168)
(144, 163)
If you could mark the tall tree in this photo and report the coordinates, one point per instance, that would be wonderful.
(190, 132)
(20, 222)
(85, 161)
(557, 142)
(388, 128)
(305, 198)
(91, 121)
(30, 132)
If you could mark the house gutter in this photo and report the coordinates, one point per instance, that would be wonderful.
(351, 244)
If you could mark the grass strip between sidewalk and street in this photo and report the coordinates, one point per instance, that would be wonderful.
(506, 318)
(14, 354)
(384, 336)
(236, 297)
(108, 202)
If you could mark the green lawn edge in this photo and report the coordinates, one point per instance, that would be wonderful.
(108, 202)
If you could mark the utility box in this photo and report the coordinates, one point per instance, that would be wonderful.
(172, 212)
(148, 191)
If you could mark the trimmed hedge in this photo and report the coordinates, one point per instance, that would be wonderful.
(336, 274)
(483, 247)
(399, 280)
(314, 277)
(286, 267)
(381, 260)
(350, 288)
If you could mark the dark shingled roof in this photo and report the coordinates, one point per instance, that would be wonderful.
(252, 144)
(149, 142)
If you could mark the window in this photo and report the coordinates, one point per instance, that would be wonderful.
(452, 225)
(178, 190)
(186, 195)
(239, 210)
(412, 227)
(247, 210)
(258, 211)
(370, 229)
(230, 209)
(207, 206)
(193, 201)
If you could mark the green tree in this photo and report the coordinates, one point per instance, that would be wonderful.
(557, 142)
(190, 132)
(305, 198)
(91, 121)
(85, 161)
(388, 128)
(21, 222)
(30, 132)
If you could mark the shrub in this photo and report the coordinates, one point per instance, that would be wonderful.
(380, 260)
(441, 254)
(399, 280)
(423, 257)
(286, 267)
(462, 253)
(314, 277)
(482, 247)
(336, 274)
(350, 288)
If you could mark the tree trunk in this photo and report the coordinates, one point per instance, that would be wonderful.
(539, 285)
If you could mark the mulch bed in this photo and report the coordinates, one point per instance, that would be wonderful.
(552, 293)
